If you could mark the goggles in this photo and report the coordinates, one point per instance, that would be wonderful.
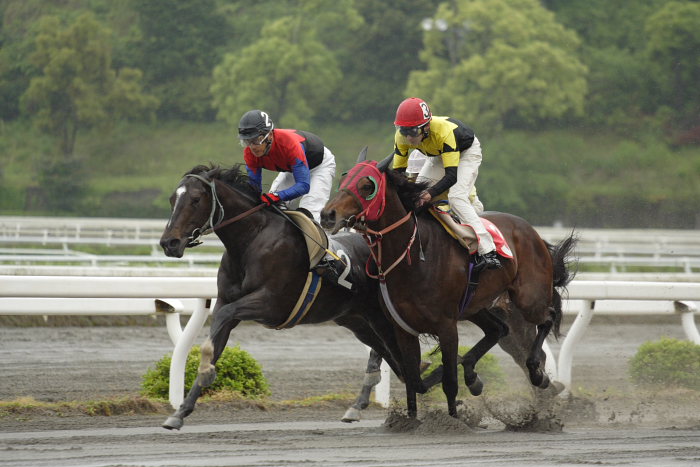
(255, 141)
(411, 130)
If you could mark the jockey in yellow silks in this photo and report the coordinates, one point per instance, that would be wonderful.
(453, 158)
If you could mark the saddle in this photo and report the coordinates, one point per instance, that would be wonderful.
(465, 233)
(316, 238)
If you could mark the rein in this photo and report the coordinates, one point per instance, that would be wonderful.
(209, 226)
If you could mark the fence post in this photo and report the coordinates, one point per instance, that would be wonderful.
(182, 348)
(566, 353)
(687, 311)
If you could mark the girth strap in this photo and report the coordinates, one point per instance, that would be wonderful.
(307, 298)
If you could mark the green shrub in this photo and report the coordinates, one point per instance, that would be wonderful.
(668, 362)
(488, 369)
(236, 370)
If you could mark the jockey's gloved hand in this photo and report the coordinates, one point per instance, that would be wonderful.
(423, 199)
(270, 198)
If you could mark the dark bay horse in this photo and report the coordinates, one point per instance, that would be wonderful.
(424, 273)
(264, 269)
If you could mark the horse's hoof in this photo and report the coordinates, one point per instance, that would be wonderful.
(476, 387)
(207, 377)
(173, 423)
(351, 415)
(557, 387)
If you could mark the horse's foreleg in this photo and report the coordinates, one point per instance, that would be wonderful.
(449, 346)
(211, 350)
(536, 359)
(410, 361)
(372, 378)
(494, 328)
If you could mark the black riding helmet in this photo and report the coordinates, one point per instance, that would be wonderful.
(253, 124)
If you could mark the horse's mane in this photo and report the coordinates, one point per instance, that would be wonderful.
(408, 191)
(233, 176)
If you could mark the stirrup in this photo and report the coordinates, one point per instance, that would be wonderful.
(490, 260)
(330, 269)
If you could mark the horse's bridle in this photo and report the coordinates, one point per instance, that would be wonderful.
(209, 226)
(373, 237)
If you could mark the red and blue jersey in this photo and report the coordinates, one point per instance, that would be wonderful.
(292, 151)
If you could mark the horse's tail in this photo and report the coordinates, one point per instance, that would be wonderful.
(564, 270)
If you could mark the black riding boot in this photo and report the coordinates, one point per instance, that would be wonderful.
(491, 260)
(330, 269)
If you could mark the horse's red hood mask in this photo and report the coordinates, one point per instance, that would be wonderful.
(372, 205)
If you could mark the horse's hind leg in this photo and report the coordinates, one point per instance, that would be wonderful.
(212, 348)
(536, 359)
(518, 344)
(494, 328)
(372, 378)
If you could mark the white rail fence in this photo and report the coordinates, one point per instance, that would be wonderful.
(76, 295)
(618, 249)
(28, 256)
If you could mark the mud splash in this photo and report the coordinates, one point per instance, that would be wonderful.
(432, 422)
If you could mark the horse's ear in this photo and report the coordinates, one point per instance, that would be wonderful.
(385, 163)
(363, 155)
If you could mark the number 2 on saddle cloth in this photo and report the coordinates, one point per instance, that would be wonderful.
(467, 237)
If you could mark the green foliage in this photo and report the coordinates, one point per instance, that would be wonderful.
(62, 184)
(498, 63)
(596, 179)
(177, 46)
(606, 23)
(77, 88)
(236, 371)
(488, 369)
(667, 362)
(556, 176)
(377, 59)
(287, 73)
(613, 69)
(179, 38)
(672, 47)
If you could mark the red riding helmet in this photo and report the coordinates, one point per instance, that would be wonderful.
(412, 112)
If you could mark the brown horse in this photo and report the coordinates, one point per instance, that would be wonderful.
(424, 273)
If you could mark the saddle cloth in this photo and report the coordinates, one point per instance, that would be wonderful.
(316, 238)
(465, 234)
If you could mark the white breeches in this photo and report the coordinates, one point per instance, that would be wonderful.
(462, 195)
(320, 186)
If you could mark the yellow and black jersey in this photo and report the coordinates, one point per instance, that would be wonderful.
(447, 139)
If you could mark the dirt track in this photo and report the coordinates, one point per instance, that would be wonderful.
(611, 422)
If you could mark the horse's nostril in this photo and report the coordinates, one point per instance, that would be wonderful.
(167, 243)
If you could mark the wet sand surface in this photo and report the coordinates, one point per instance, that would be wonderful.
(609, 422)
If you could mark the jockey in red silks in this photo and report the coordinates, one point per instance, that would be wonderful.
(306, 166)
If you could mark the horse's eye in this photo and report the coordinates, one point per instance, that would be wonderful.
(195, 200)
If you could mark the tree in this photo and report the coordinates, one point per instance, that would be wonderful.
(288, 73)
(625, 79)
(77, 88)
(180, 42)
(377, 60)
(672, 47)
(499, 63)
